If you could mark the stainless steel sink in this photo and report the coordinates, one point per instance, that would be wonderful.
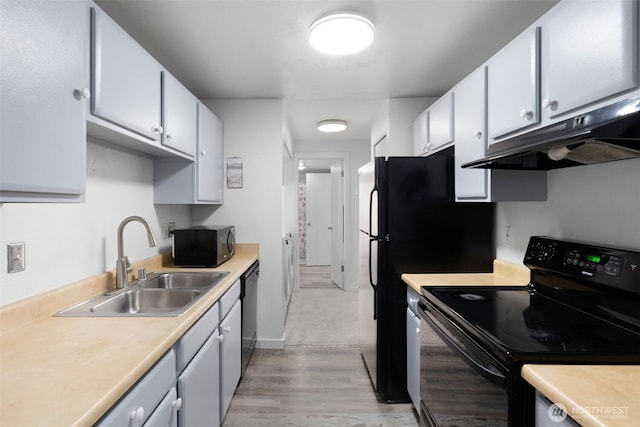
(180, 280)
(159, 295)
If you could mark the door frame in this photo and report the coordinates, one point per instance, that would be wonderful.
(348, 255)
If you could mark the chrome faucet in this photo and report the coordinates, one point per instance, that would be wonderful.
(123, 265)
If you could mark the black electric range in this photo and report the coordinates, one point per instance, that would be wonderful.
(582, 306)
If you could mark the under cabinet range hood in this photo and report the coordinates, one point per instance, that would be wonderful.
(606, 134)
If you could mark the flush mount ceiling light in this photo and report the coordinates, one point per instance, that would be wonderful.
(332, 125)
(341, 33)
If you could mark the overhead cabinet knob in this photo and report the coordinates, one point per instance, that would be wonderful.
(549, 104)
(83, 93)
(526, 114)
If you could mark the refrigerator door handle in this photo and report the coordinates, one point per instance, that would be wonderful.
(373, 285)
(374, 191)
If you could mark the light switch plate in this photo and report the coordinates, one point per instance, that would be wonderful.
(15, 257)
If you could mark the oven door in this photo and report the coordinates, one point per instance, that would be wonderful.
(460, 383)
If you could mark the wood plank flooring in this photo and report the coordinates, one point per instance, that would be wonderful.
(318, 381)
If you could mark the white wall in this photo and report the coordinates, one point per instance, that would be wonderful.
(394, 118)
(253, 130)
(596, 203)
(69, 242)
(358, 155)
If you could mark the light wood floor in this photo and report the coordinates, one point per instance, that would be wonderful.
(317, 382)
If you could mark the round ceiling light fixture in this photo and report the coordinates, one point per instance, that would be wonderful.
(332, 125)
(341, 33)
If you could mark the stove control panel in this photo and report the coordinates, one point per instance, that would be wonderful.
(594, 262)
(588, 263)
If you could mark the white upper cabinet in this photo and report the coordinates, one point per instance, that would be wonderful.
(182, 181)
(483, 185)
(43, 89)
(179, 116)
(440, 127)
(589, 52)
(209, 158)
(513, 85)
(419, 134)
(471, 135)
(126, 82)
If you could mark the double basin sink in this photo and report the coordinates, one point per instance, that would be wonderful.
(161, 294)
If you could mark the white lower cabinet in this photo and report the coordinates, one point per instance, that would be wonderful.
(413, 349)
(230, 355)
(198, 363)
(551, 415)
(198, 386)
(139, 404)
(166, 414)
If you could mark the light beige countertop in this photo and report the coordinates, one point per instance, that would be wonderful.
(68, 371)
(593, 395)
(504, 274)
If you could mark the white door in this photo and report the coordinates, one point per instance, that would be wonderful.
(318, 219)
(337, 228)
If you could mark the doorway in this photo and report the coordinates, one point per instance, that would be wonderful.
(321, 216)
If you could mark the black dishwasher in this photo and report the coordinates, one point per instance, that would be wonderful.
(249, 298)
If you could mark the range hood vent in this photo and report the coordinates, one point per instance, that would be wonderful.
(603, 135)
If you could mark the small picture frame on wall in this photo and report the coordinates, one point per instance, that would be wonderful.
(234, 172)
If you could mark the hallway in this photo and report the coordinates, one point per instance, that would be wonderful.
(319, 379)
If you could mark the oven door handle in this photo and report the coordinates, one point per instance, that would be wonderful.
(491, 373)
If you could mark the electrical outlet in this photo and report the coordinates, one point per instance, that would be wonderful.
(16, 257)
(167, 229)
(508, 235)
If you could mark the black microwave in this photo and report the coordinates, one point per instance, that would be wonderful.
(203, 246)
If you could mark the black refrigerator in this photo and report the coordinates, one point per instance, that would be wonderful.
(410, 223)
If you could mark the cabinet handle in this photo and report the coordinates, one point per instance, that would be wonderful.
(226, 329)
(177, 404)
(203, 153)
(169, 137)
(82, 93)
(526, 114)
(157, 129)
(549, 104)
(138, 415)
(220, 338)
(417, 330)
(478, 134)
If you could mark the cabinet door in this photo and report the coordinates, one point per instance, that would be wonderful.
(440, 128)
(419, 134)
(43, 46)
(413, 358)
(199, 387)
(513, 85)
(126, 79)
(470, 135)
(230, 355)
(589, 52)
(209, 158)
(179, 116)
(166, 414)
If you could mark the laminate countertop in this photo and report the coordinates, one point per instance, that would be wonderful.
(504, 274)
(593, 395)
(69, 371)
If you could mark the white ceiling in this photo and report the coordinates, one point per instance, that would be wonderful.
(259, 49)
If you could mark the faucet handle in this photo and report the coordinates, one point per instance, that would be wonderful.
(127, 264)
(142, 273)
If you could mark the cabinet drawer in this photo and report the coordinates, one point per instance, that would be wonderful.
(165, 414)
(146, 394)
(229, 299)
(195, 337)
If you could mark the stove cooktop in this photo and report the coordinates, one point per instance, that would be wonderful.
(518, 321)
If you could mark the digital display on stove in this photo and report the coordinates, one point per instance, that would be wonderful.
(593, 258)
